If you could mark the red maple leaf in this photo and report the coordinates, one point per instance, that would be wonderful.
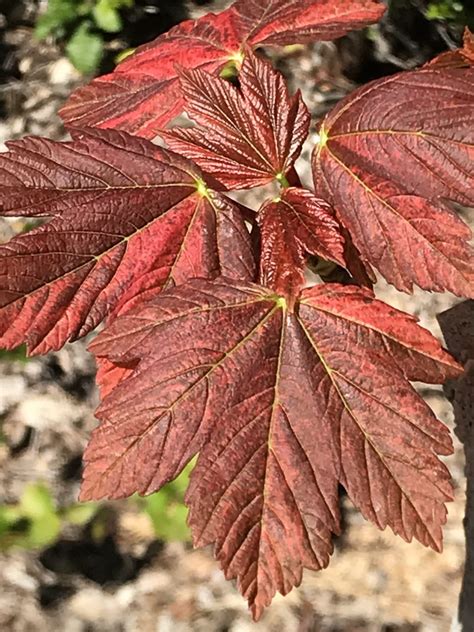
(397, 149)
(281, 406)
(128, 219)
(247, 136)
(143, 93)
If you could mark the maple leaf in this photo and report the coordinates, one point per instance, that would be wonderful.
(389, 157)
(293, 225)
(143, 94)
(281, 406)
(128, 219)
(247, 136)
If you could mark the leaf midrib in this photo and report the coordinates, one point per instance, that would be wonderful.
(401, 132)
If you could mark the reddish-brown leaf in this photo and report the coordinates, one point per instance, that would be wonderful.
(143, 94)
(109, 375)
(458, 58)
(389, 155)
(467, 50)
(296, 224)
(282, 22)
(127, 220)
(247, 136)
(281, 406)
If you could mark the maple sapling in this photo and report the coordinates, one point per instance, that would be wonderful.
(212, 345)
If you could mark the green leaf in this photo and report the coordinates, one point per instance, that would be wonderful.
(4, 523)
(107, 17)
(168, 518)
(80, 513)
(124, 54)
(36, 501)
(43, 531)
(85, 49)
(59, 14)
(167, 510)
(18, 354)
(37, 511)
(444, 10)
(121, 4)
(9, 515)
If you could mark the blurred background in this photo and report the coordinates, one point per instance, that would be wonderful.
(128, 566)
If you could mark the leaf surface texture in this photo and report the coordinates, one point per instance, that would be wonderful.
(142, 95)
(281, 407)
(126, 221)
(247, 136)
(392, 154)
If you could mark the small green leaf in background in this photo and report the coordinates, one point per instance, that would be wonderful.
(80, 513)
(106, 14)
(58, 15)
(82, 23)
(9, 516)
(167, 510)
(17, 354)
(36, 522)
(85, 49)
(107, 17)
(36, 501)
(124, 54)
(444, 10)
(37, 505)
(43, 531)
(32, 523)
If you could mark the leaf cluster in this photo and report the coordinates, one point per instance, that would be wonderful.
(82, 23)
(215, 346)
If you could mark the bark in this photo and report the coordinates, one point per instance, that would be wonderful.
(457, 325)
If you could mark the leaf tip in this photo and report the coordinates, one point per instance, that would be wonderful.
(256, 611)
(85, 494)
